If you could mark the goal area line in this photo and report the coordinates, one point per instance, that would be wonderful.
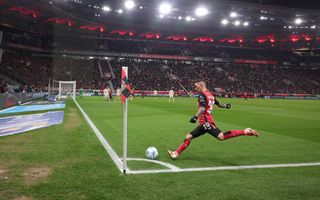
(172, 168)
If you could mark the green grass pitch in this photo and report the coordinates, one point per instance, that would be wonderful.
(80, 168)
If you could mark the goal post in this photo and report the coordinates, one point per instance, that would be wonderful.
(66, 88)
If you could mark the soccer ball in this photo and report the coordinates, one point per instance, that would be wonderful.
(152, 153)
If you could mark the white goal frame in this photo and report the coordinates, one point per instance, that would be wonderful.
(73, 93)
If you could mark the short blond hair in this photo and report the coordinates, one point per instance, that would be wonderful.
(201, 84)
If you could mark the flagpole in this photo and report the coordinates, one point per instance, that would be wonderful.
(125, 126)
(125, 123)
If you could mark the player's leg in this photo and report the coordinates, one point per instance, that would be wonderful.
(193, 134)
(236, 133)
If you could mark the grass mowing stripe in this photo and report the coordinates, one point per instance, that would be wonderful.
(103, 141)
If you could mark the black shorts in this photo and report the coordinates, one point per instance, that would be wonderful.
(205, 128)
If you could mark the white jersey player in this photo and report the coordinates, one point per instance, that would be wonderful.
(155, 94)
(118, 93)
(106, 94)
(171, 95)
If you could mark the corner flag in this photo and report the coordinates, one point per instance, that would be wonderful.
(125, 86)
(125, 93)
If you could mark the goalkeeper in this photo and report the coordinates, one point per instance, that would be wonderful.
(206, 101)
(81, 93)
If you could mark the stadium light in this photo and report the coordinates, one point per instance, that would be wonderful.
(263, 18)
(233, 14)
(165, 8)
(120, 11)
(237, 23)
(201, 11)
(298, 21)
(106, 8)
(188, 18)
(179, 17)
(224, 21)
(313, 27)
(245, 23)
(129, 4)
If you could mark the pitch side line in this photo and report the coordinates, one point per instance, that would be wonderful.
(103, 141)
(225, 168)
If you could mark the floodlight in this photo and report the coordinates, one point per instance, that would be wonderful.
(165, 8)
(233, 14)
(106, 8)
(224, 21)
(201, 11)
(129, 4)
(237, 23)
(298, 21)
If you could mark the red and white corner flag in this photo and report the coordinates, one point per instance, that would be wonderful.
(125, 93)
(125, 86)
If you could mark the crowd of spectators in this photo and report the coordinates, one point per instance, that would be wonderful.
(229, 77)
(3, 86)
(33, 73)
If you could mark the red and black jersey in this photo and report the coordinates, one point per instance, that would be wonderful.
(206, 100)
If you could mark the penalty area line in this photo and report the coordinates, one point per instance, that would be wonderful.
(221, 168)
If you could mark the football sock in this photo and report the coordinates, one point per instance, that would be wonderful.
(183, 146)
(234, 133)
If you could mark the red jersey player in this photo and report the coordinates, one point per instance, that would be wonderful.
(206, 101)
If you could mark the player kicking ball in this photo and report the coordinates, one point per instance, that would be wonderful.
(206, 101)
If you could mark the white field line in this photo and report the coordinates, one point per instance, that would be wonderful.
(225, 168)
(168, 165)
(1, 111)
(103, 141)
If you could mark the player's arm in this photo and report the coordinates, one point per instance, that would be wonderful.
(222, 105)
(201, 109)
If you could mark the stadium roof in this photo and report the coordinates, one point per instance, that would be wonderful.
(215, 19)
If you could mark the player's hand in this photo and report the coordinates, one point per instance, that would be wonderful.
(193, 119)
(228, 105)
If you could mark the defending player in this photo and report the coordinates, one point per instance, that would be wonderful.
(131, 97)
(155, 94)
(206, 101)
(81, 93)
(110, 94)
(171, 96)
(118, 93)
(106, 94)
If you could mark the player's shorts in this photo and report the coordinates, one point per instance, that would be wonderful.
(206, 128)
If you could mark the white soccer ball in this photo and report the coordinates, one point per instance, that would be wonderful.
(152, 153)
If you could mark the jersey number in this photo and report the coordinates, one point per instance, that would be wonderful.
(207, 126)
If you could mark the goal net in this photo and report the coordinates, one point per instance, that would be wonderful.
(63, 89)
